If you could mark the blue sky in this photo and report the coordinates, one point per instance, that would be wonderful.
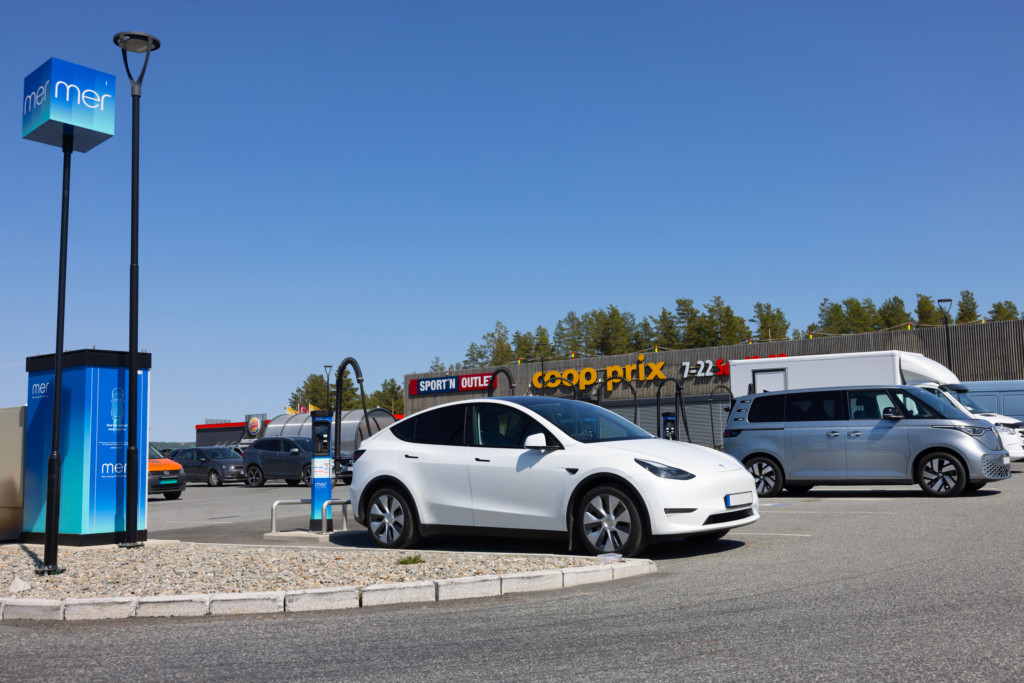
(425, 169)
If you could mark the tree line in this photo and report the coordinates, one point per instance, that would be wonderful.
(316, 390)
(612, 331)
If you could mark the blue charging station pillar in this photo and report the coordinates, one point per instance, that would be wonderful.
(322, 470)
(93, 443)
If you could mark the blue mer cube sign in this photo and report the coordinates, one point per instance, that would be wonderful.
(61, 97)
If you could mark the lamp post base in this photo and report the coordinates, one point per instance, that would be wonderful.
(132, 544)
(50, 570)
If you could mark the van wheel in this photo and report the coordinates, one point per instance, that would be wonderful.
(941, 474)
(609, 522)
(768, 475)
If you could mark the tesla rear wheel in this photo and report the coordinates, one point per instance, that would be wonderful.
(941, 474)
(767, 475)
(213, 479)
(609, 522)
(391, 520)
(254, 476)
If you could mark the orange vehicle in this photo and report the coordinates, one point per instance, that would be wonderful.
(165, 476)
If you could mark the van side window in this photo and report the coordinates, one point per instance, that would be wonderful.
(913, 408)
(868, 404)
(814, 406)
(767, 408)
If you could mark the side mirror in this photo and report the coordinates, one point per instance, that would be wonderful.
(536, 441)
(295, 451)
(203, 458)
(891, 414)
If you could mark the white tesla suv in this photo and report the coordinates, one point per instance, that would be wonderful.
(546, 466)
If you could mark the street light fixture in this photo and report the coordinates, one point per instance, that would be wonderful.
(945, 305)
(134, 41)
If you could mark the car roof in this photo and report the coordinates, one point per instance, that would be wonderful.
(852, 387)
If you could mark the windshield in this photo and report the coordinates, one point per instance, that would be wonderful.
(937, 402)
(960, 396)
(220, 453)
(969, 402)
(303, 442)
(588, 423)
(154, 454)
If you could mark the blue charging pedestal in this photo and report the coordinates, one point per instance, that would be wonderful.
(93, 444)
(322, 470)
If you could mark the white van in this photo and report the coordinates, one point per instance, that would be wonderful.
(757, 375)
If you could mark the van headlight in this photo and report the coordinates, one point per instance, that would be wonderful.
(663, 471)
(966, 429)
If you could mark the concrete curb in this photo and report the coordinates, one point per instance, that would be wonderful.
(345, 597)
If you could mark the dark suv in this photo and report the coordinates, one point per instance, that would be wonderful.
(279, 457)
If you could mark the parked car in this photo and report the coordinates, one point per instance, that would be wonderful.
(165, 475)
(212, 464)
(279, 457)
(862, 435)
(541, 465)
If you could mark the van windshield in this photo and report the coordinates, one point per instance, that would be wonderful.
(942, 406)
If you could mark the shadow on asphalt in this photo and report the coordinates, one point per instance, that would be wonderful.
(839, 494)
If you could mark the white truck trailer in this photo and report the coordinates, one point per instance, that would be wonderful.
(757, 375)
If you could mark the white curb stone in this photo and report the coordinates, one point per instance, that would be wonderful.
(321, 598)
(623, 570)
(468, 587)
(394, 593)
(577, 576)
(173, 606)
(522, 582)
(29, 608)
(99, 608)
(247, 603)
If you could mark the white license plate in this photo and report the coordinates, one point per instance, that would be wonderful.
(737, 499)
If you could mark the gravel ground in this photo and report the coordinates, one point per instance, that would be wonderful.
(172, 568)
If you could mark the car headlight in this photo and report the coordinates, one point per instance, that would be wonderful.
(966, 429)
(663, 471)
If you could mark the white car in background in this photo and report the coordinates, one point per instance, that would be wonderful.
(1010, 430)
(546, 466)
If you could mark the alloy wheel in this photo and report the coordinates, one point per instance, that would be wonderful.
(939, 474)
(387, 519)
(606, 522)
(765, 475)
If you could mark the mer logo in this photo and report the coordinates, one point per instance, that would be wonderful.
(40, 389)
(88, 97)
(61, 98)
(115, 469)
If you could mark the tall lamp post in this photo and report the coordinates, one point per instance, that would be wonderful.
(133, 41)
(327, 371)
(945, 305)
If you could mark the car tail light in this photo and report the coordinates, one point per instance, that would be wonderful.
(731, 432)
(355, 456)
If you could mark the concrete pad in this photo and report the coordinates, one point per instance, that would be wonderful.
(247, 603)
(321, 598)
(627, 568)
(523, 582)
(308, 536)
(394, 593)
(468, 587)
(31, 608)
(173, 606)
(99, 608)
(577, 576)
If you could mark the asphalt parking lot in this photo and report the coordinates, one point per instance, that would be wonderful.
(865, 583)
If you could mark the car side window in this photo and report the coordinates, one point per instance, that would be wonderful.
(913, 408)
(814, 406)
(443, 427)
(868, 404)
(406, 429)
(268, 444)
(287, 445)
(767, 408)
(499, 426)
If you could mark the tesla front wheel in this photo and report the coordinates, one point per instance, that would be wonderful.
(391, 520)
(609, 522)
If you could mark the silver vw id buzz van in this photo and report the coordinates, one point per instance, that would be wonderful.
(862, 435)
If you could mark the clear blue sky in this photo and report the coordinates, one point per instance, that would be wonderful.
(429, 168)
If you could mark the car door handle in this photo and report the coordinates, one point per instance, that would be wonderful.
(853, 433)
(831, 434)
(412, 457)
(481, 460)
